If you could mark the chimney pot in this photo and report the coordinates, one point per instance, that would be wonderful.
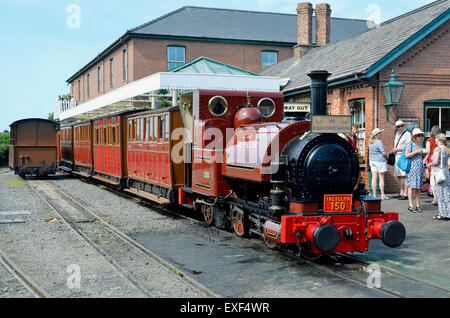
(304, 23)
(323, 20)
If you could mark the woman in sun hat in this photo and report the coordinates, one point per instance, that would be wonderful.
(378, 161)
(414, 177)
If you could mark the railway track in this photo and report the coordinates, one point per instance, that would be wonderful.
(31, 286)
(349, 268)
(380, 278)
(79, 218)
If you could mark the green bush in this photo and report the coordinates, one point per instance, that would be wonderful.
(4, 149)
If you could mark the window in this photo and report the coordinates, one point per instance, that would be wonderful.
(129, 130)
(269, 58)
(125, 65)
(79, 90)
(88, 85)
(144, 129)
(111, 72)
(99, 84)
(358, 112)
(166, 136)
(218, 105)
(161, 127)
(437, 113)
(138, 129)
(114, 141)
(151, 134)
(176, 56)
(266, 107)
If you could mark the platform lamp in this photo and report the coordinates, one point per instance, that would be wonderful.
(393, 91)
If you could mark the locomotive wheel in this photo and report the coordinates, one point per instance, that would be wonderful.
(208, 214)
(240, 226)
(270, 244)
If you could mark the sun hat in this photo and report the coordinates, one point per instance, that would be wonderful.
(417, 131)
(376, 131)
(399, 123)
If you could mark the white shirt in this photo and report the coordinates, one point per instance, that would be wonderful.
(405, 139)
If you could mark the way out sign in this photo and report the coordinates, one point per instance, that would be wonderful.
(297, 107)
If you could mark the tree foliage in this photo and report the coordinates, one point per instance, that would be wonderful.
(4, 148)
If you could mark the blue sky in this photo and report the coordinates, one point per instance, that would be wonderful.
(40, 51)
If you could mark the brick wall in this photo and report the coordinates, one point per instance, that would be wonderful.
(149, 56)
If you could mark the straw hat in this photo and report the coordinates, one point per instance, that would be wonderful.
(399, 123)
(417, 131)
(376, 131)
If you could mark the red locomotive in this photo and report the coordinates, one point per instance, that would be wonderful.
(234, 157)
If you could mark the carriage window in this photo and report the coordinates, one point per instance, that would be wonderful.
(113, 135)
(104, 136)
(267, 107)
(144, 129)
(161, 127)
(166, 137)
(138, 129)
(133, 130)
(152, 133)
(96, 136)
(218, 105)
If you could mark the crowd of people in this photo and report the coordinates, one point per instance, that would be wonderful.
(431, 162)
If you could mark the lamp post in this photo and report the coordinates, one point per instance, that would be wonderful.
(393, 91)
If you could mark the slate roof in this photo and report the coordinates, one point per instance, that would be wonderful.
(242, 25)
(358, 53)
(191, 22)
(205, 65)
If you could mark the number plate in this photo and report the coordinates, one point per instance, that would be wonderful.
(333, 203)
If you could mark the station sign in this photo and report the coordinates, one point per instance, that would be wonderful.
(334, 124)
(297, 107)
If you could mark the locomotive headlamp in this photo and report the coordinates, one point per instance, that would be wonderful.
(393, 91)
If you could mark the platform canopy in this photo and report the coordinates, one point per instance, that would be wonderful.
(163, 88)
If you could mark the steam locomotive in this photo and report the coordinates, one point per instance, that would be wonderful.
(246, 167)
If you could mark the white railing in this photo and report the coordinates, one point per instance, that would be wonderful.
(61, 106)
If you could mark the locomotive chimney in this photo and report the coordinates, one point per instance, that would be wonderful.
(319, 92)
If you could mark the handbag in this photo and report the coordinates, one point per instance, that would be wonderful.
(404, 163)
(391, 159)
(440, 176)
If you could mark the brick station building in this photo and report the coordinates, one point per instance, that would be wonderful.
(245, 39)
(415, 45)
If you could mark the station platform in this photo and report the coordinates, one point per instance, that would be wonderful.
(425, 253)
